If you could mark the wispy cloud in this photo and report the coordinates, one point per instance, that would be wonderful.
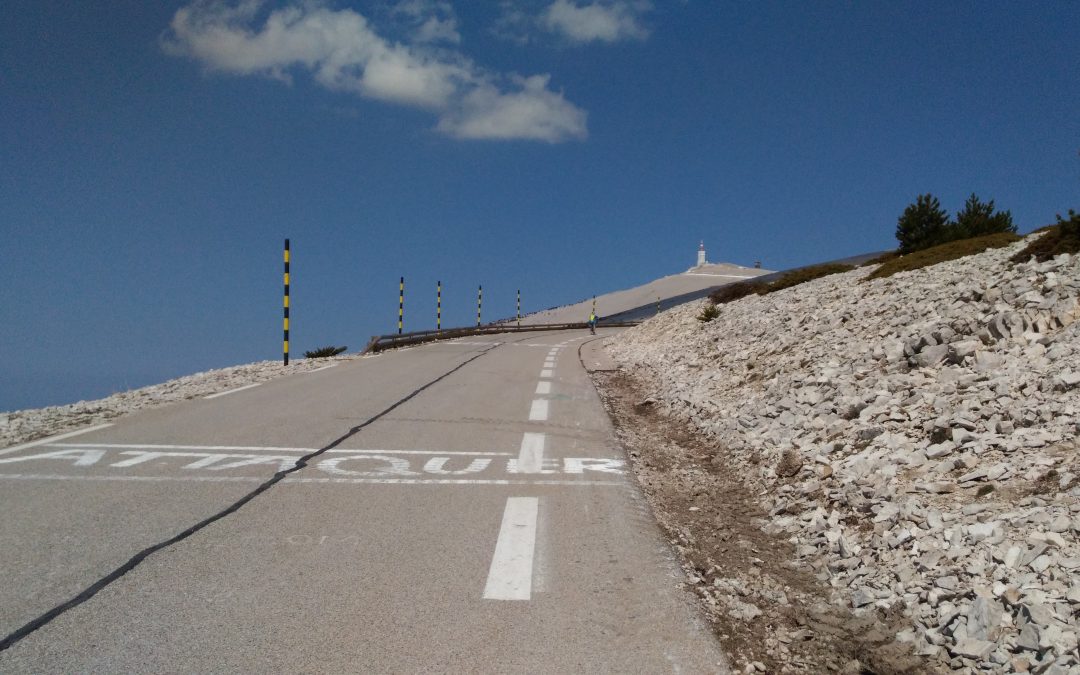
(343, 52)
(433, 20)
(599, 20)
(533, 111)
(513, 23)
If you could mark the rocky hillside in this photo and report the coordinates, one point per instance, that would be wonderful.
(914, 436)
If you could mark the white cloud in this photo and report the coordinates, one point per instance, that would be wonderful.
(432, 20)
(606, 21)
(344, 53)
(435, 29)
(533, 112)
(513, 23)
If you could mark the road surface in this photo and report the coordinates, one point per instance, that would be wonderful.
(455, 507)
(635, 304)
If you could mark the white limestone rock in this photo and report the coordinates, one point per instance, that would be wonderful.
(941, 394)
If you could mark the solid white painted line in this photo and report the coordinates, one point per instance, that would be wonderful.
(546, 372)
(510, 575)
(531, 457)
(147, 446)
(233, 391)
(332, 365)
(50, 439)
(293, 480)
(543, 387)
(539, 410)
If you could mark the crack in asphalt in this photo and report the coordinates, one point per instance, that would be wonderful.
(142, 555)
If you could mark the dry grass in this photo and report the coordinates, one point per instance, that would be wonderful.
(732, 292)
(883, 258)
(801, 276)
(1061, 238)
(943, 253)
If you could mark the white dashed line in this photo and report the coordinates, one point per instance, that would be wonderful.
(546, 373)
(531, 457)
(543, 387)
(510, 575)
(50, 439)
(232, 391)
(539, 410)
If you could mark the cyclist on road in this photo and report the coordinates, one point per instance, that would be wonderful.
(592, 322)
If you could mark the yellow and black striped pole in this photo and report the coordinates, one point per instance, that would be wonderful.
(519, 308)
(400, 305)
(438, 305)
(479, 302)
(594, 304)
(286, 306)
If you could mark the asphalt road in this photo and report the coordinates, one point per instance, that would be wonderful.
(460, 507)
(638, 303)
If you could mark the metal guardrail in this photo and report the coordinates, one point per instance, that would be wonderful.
(381, 342)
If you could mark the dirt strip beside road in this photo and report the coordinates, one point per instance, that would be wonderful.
(768, 610)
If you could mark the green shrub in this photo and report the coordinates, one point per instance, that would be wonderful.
(1064, 237)
(708, 313)
(943, 253)
(922, 225)
(731, 292)
(801, 276)
(978, 219)
(925, 224)
(323, 352)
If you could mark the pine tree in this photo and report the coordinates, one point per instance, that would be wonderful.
(977, 219)
(923, 224)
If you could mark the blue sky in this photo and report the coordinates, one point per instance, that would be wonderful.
(156, 154)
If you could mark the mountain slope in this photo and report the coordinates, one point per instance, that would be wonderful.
(645, 296)
(914, 437)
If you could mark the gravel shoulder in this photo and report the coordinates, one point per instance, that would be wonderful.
(765, 606)
(912, 440)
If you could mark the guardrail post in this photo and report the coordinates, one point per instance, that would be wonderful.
(286, 305)
(479, 303)
(400, 305)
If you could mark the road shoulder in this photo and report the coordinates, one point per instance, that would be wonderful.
(766, 608)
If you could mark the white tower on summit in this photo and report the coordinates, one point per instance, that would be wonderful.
(701, 254)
